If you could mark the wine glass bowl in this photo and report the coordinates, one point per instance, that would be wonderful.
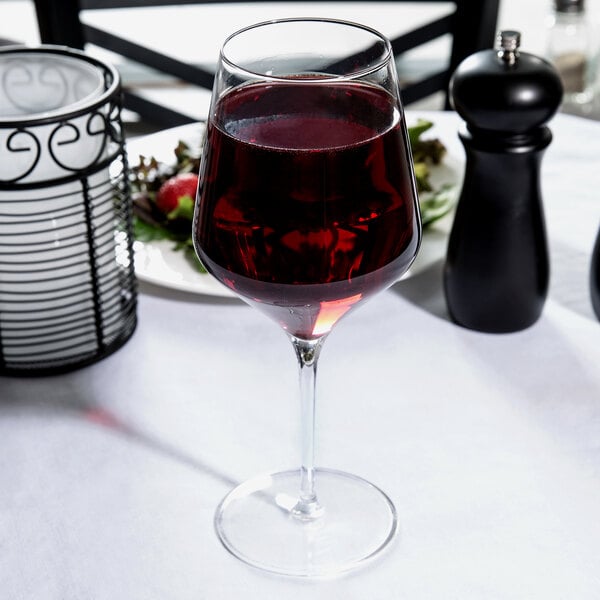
(306, 208)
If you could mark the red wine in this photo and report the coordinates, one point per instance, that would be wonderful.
(312, 209)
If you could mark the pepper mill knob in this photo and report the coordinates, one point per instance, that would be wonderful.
(509, 42)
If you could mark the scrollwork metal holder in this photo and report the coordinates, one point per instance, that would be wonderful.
(68, 292)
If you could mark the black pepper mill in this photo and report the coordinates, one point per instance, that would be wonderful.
(595, 277)
(497, 268)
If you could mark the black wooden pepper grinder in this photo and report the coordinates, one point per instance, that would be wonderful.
(595, 277)
(497, 268)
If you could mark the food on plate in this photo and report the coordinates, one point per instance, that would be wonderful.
(175, 197)
(427, 153)
(163, 194)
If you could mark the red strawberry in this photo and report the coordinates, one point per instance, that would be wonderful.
(175, 188)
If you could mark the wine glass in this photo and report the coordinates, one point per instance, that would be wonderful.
(306, 208)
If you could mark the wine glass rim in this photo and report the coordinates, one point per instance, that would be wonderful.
(358, 74)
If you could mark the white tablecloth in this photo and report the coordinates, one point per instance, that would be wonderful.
(489, 445)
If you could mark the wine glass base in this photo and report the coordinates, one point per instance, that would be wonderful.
(256, 523)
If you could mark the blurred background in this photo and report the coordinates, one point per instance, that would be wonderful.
(193, 33)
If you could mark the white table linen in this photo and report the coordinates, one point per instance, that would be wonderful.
(489, 445)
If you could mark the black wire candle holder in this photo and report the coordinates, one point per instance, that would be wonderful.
(67, 283)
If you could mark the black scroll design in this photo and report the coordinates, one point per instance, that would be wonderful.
(35, 148)
(114, 124)
(68, 133)
(98, 117)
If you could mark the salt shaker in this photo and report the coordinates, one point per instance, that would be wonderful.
(496, 273)
(570, 47)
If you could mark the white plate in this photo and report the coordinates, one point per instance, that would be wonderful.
(158, 263)
(435, 236)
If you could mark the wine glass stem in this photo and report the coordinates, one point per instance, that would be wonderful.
(307, 351)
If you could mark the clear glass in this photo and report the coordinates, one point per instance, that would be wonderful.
(306, 208)
(571, 47)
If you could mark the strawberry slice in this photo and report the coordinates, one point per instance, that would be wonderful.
(179, 189)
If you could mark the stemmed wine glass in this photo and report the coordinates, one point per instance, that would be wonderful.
(306, 208)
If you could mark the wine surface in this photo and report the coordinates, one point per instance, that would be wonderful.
(311, 209)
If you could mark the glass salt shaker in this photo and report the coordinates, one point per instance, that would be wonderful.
(570, 47)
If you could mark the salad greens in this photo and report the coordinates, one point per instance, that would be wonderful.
(428, 152)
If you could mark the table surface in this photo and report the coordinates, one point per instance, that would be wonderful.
(489, 445)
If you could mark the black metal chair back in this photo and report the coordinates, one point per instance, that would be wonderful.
(472, 27)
